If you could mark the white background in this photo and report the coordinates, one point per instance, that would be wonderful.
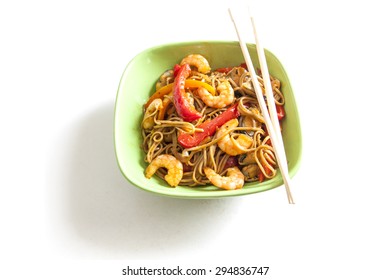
(67, 212)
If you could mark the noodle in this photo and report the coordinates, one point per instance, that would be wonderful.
(257, 162)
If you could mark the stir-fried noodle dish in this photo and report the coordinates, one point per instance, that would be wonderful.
(205, 126)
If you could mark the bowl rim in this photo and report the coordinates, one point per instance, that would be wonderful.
(215, 193)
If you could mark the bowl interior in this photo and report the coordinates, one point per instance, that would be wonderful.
(138, 83)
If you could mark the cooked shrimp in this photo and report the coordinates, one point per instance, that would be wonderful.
(172, 164)
(198, 61)
(225, 97)
(233, 181)
(150, 112)
(233, 145)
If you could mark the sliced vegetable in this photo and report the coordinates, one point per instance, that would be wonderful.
(176, 69)
(159, 94)
(261, 175)
(165, 103)
(198, 84)
(209, 127)
(231, 162)
(184, 104)
(280, 111)
(224, 70)
(243, 65)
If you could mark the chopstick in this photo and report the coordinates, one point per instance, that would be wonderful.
(271, 124)
(267, 83)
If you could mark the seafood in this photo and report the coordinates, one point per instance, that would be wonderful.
(172, 164)
(150, 112)
(225, 97)
(233, 181)
(198, 61)
(233, 144)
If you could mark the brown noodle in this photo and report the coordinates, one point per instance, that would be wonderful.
(260, 157)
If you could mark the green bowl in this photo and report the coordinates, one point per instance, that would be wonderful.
(138, 83)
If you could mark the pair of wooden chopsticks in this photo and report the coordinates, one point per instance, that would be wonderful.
(271, 119)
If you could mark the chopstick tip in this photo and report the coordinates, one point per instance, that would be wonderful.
(230, 14)
(249, 11)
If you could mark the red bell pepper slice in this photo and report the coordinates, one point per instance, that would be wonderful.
(183, 103)
(176, 69)
(231, 162)
(262, 176)
(209, 127)
(243, 65)
(224, 70)
(280, 111)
